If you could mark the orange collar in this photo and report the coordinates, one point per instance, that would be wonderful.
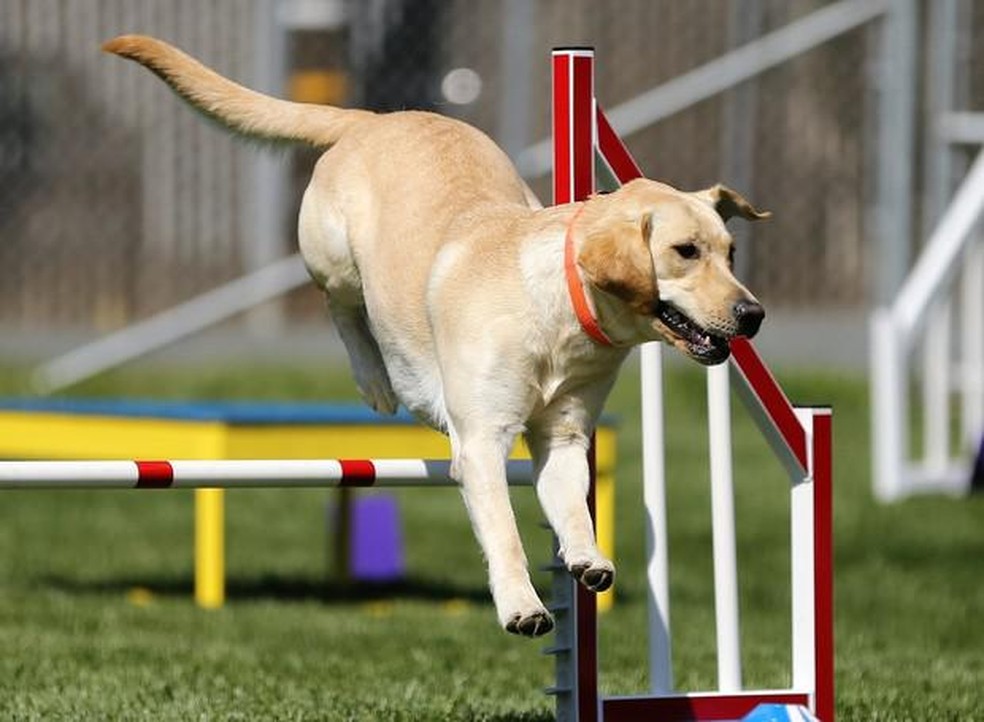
(575, 289)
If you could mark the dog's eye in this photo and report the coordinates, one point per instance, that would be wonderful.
(687, 250)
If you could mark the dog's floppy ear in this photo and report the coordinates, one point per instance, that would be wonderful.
(616, 259)
(729, 203)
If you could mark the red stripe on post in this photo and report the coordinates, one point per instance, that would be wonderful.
(765, 388)
(823, 564)
(154, 474)
(357, 472)
(582, 109)
(561, 128)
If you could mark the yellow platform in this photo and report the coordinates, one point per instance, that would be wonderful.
(125, 429)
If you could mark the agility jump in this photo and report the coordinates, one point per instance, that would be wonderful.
(800, 437)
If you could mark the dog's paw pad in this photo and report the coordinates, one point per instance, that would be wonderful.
(597, 576)
(530, 625)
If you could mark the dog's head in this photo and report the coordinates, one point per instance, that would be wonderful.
(668, 257)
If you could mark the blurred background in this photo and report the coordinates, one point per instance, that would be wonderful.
(118, 203)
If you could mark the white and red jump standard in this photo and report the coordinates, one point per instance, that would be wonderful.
(800, 437)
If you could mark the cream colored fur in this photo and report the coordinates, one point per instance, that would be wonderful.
(445, 279)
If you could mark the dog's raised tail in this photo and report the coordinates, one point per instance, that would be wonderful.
(240, 109)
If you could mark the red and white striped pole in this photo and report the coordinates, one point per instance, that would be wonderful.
(574, 180)
(573, 124)
(233, 474)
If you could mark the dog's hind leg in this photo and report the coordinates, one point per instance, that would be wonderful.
(365, 359)
(325, 247)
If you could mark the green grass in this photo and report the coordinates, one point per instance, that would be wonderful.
(76, 643)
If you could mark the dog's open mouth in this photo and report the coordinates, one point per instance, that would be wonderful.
(698, 343)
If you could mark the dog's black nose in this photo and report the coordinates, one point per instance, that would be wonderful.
(748, 316)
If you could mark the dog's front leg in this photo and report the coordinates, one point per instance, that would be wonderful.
(562, 477)
(480, 466)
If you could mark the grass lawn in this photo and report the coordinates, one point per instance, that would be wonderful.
(96, 619)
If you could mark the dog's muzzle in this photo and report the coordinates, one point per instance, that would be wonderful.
(697, 342)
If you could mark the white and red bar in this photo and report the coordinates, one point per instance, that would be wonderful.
(770, 407)
(229, 474)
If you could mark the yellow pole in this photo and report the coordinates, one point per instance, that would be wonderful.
(605, 517)
(209, 548)
(605, 504)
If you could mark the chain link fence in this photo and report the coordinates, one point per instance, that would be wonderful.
(117, 202)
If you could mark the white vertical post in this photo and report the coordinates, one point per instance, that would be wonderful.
(936, 390)
(942, 43)
(654, 499)
(723, 523)
(941, 92)
(518, 23)
(802, 544)
(263, 218)
(972, 351)
(896, 80)
(889, 406)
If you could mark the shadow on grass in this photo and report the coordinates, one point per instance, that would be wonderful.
(280, 588)
(297, 589)
(275, 587)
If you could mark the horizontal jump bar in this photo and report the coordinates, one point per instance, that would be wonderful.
(232, 474)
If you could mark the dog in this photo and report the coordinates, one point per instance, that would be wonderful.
(459, 296)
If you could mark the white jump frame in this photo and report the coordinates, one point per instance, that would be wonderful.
(932, 313)
(801, 438)
(895, 333)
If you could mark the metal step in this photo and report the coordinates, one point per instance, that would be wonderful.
(555, 650)
(556, 691)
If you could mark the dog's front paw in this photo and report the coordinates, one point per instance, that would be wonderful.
(531, 624)
(518, 607)
(597, 575)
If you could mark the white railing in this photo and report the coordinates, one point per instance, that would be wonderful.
(920, 317)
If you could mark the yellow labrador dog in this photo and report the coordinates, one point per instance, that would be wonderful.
(486, 315)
